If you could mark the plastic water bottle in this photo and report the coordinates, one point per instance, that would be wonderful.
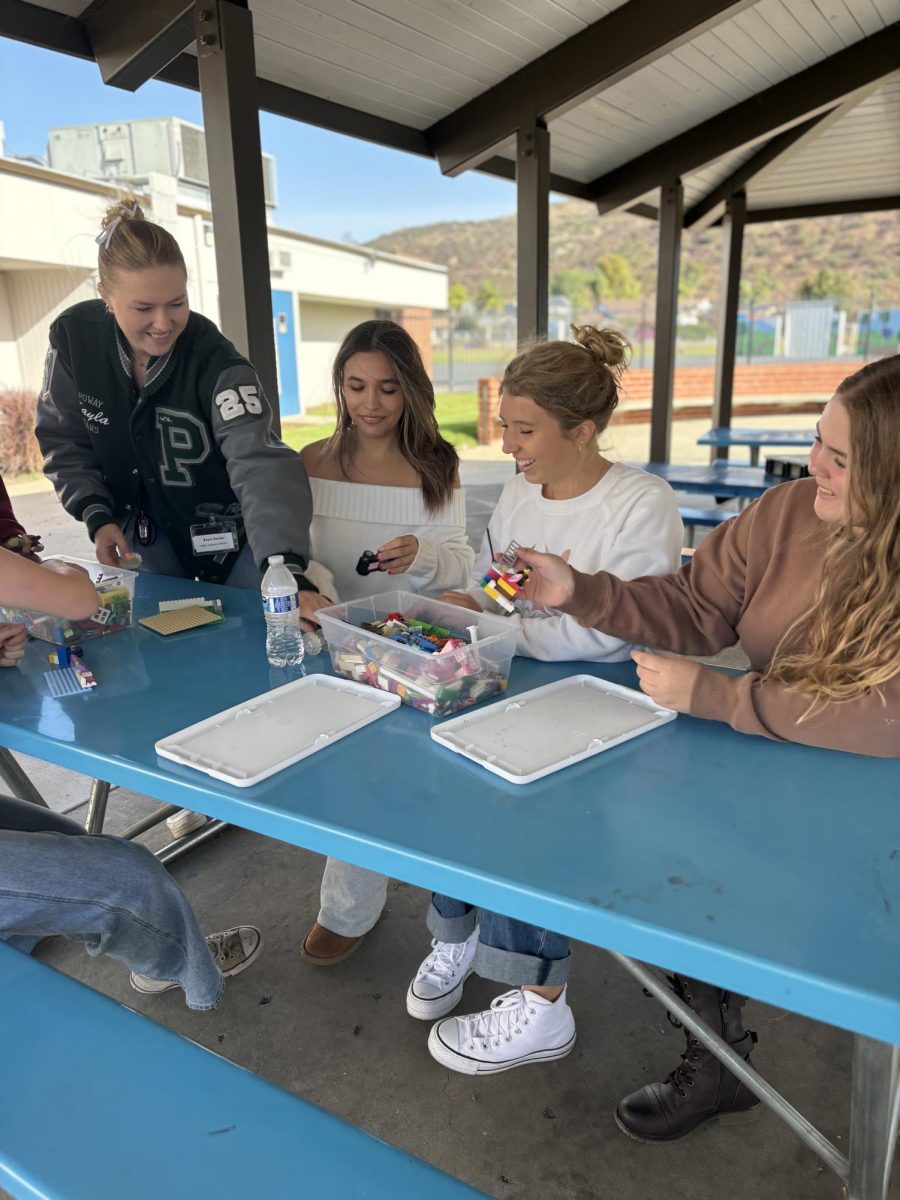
(281, 607)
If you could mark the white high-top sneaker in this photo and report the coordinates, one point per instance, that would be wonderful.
(438, 985)
(519, 1028)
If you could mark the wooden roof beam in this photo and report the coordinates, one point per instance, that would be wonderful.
(632, 36)
(769, 112)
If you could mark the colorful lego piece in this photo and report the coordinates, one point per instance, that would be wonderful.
(502, 583)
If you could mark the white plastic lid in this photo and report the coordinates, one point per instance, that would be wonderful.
(275, 560)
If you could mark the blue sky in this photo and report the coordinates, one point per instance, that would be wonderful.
(328, 185)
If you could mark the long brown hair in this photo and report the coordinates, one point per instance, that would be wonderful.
(849, 640)
(573, 381)
(421, 444)
(133, 244)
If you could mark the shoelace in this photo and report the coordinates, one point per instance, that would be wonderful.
(440, 966)
(225, 947)
(500, 1022)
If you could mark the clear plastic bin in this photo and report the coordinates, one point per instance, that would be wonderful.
(434, 683)
(115, 586)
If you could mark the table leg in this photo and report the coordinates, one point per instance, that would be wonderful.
(805, 1130)
(874, 1111)
(754, 456)
(96, 810)
(17, 781)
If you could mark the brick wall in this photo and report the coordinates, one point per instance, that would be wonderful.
(488, 409)
(417, 323)
(817, 379)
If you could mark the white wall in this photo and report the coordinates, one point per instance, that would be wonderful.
(323, 327)
(35, 299)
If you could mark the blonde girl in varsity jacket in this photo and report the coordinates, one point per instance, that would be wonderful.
(156, 432)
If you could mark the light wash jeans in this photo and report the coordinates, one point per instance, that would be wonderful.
(508, 951)
(352, 898)
(110, 894)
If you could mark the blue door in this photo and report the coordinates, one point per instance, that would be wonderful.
(286, 353)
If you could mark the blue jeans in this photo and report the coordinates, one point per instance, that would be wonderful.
(509, 951)
(110, 894)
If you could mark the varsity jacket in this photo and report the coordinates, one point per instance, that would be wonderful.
(196, 440)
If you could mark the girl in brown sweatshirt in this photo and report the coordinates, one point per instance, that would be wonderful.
(808, 577)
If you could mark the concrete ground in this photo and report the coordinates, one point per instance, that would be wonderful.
(341, 1037)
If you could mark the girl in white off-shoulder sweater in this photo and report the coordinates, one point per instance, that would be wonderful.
(388, 483)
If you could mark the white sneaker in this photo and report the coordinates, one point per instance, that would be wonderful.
(438, 985)
(184, 822)
(234, 951)
(519, 1027)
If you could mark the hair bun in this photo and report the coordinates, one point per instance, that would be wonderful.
(608, 347)
(122, 210)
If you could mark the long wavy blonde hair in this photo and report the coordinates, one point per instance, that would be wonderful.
(848, 642)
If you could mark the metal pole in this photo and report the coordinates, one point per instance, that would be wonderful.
(533, 228)
(96, 810)
(231, 121)
(450, 350)
(671, 213)
(817, 1142)
(729, 299)
(750, 330)
(874, 1105)
(17, 781)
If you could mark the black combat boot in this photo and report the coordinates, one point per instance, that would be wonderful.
(700, 1089)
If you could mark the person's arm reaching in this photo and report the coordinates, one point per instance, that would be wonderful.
(267, 477)
(69, 460)
(54, 587)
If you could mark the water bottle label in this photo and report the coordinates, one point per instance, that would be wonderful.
(281, 604)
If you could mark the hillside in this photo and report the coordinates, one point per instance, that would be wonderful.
(862, 249)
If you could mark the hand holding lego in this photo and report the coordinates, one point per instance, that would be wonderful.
(110, 546)
(398, 555)
(12, 644)
(460, 599)
(667, 681)
(551, 582)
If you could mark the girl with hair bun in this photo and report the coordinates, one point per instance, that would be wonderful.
(556, 401)
(156, 432)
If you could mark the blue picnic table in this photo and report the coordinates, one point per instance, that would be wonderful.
(694, 847)
(715, 479)
(798, 439)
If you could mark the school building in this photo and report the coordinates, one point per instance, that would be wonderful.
(50, 216)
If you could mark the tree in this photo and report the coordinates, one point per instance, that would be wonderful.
(689, 279)
(827, 284)
(617, 279)
(457, 296)
(758, 286)
(490, 298)
(575, 284)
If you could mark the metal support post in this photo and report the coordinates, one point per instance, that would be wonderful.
(671, 214)
(17, 781)
(533, 228)
(874, 1111)
(96, 809)
(231, 120)
(807, 1132)
(729, 300)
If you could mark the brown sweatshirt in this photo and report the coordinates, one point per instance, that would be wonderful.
(750, 579)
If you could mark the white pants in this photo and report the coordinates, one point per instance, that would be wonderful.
(352, 898)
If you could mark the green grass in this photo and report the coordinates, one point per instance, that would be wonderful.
(457, 418)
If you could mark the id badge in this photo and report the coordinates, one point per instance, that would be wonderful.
(215, 537)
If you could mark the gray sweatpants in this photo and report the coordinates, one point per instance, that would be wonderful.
(352, 898)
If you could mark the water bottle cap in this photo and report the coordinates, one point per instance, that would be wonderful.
(275, 560)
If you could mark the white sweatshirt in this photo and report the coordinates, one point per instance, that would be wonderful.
(349, 518)
(627, 524)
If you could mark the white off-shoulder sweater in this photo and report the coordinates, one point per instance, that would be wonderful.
(349, 518)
